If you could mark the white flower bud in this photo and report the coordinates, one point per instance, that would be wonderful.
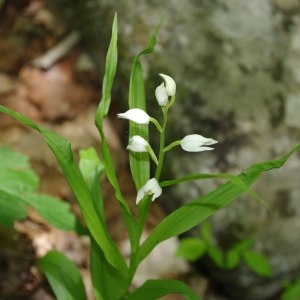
(161, 95)
(196, 143)
(136, 115)
(138, 144)
(170, 84)
(150, 188)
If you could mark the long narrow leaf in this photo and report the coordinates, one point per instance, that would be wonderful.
(63, 276)
(108, 284)
(191, 214)
(91, 169)
(154, 289)
(101, 113)
(63, 153)
(139, 162)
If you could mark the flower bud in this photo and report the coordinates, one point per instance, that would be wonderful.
(196, 143)
(161, 95)
(136, 115)
(170, 84)
(150, 188)
(138, 144)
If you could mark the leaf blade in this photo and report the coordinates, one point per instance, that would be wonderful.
(61, 148)
(258, 263)
(191, 214)
(140, 162)
(63, 276)
(154, 289)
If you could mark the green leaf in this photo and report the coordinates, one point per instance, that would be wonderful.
(90, 166)
(232, 259)
(91, 169)
(192, 214)
(63, 276)
(63, 153)
(109, 74)
(191, 248)
(16, 178)
(108, 283)
(56, 212)
(292, 291)
(18, 184)
(139, 162)
(216, 255)
(101, 113)
(258, 263)
(243, 245)
(154, 289)
(15, 173)
(206, 233)
(12, 208)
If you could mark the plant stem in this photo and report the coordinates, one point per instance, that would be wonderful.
(162, 144)
(172, 145)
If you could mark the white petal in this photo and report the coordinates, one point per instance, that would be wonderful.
(138, 144)
(195, 143)
(161, 95)
(153, 187)
(170, 84)
(136, 115)
(150, 188)
(141, 194)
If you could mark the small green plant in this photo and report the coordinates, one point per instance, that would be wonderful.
(18, 190)
(291, 290)
(110, 273)
(193, 248)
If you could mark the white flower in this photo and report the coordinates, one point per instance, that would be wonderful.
(150, 188)
(170, 84)
(136, 115)
(138, 144)
(196, 143)
(161, 95)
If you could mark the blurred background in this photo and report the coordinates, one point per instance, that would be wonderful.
(237, 68)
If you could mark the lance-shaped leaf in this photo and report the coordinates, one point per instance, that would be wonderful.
(139, 162)
(192, 214)
(101, 113)
(108, 282)
(154, 289)
(61, 148)
(63, 276)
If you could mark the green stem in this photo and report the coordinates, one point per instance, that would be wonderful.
(172, 145)
(152, 155)
(162, 144)
(155, 122)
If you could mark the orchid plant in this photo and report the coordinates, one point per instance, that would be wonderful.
(165, 96)
(111, 274)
